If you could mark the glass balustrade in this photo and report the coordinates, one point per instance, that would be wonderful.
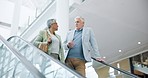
(110, 71)
(12, 67)
(32, 14)
(54, 69)
(50, 67)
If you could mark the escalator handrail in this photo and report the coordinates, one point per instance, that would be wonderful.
(38, 16)
(22, 59)
(121, 70)
(48, 56)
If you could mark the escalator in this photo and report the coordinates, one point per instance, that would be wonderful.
(48, 66)
(14, 65)
(23, 60)
(114, 72)
(52, 68)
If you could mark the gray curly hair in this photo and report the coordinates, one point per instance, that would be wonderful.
(50, 22)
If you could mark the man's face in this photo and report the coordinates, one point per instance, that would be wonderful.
(79, 24)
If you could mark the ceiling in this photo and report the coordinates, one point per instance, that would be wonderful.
(33, 4)
(118, 25)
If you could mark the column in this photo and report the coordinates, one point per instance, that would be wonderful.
(16, 16)
(62, 16)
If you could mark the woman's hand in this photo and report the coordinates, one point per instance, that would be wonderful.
(49, 40)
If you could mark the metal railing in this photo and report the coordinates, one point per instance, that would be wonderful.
(121, 70)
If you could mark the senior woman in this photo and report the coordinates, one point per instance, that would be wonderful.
(53, 40)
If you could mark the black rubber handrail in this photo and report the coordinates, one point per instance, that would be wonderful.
(121, 70)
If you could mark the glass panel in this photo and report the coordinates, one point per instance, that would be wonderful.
(32, 14)
(50, 67)
(113, 71)
(10, 66)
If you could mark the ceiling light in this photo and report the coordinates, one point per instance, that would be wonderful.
(139, 42)
(104, 57)
(120, 51)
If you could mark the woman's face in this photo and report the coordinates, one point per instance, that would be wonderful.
(54, 26)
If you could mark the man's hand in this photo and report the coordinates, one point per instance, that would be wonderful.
(70, 44)
(100, 59)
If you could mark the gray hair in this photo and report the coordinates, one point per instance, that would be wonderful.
(50, 22)
(81, 18)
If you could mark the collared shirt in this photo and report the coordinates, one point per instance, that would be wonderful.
(77, 50)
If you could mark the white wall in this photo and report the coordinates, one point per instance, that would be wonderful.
(6, 16)
(6, 11)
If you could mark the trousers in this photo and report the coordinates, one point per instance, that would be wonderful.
(56, 56)
(76, 64)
